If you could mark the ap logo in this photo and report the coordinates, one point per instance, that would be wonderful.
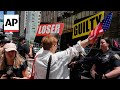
(11, 23)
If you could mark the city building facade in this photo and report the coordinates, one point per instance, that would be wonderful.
(29, 24)
(33, 18)
(70, 17)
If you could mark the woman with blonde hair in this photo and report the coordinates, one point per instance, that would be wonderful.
(12, 65)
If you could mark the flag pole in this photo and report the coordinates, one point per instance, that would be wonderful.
(92, 46)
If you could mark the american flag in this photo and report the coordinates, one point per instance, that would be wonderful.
(101, 27)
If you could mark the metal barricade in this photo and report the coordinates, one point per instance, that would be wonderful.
(30, 63)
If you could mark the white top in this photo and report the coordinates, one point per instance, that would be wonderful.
(59, 62)
(39, 52)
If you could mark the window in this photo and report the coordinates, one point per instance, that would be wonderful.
(83, 14)
(91, 13)
(79, 15)
(72, 20)
(65, 24)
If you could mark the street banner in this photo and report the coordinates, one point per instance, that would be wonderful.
(54, 28)
(85, 26)
(11, 23)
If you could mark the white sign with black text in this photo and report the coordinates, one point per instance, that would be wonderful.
(11, 23)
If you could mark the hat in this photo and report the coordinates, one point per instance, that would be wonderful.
(10, 47)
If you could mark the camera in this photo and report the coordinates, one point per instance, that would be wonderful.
(9, 72)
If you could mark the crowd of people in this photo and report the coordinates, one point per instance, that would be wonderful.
(50, 64)
(13, 59)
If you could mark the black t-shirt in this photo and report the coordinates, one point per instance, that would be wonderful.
(15, 71)
(106, 62)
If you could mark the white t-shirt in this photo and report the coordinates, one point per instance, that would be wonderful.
(59, 62)
(39, 52)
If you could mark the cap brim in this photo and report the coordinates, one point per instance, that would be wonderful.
(10, 49)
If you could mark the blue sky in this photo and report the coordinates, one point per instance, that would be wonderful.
(2, 16)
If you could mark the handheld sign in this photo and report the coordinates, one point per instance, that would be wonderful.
(45, 29)
(11, 23)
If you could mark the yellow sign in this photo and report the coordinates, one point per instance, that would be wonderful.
(84, 27)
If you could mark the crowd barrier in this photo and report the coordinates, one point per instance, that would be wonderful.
(30, 63)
